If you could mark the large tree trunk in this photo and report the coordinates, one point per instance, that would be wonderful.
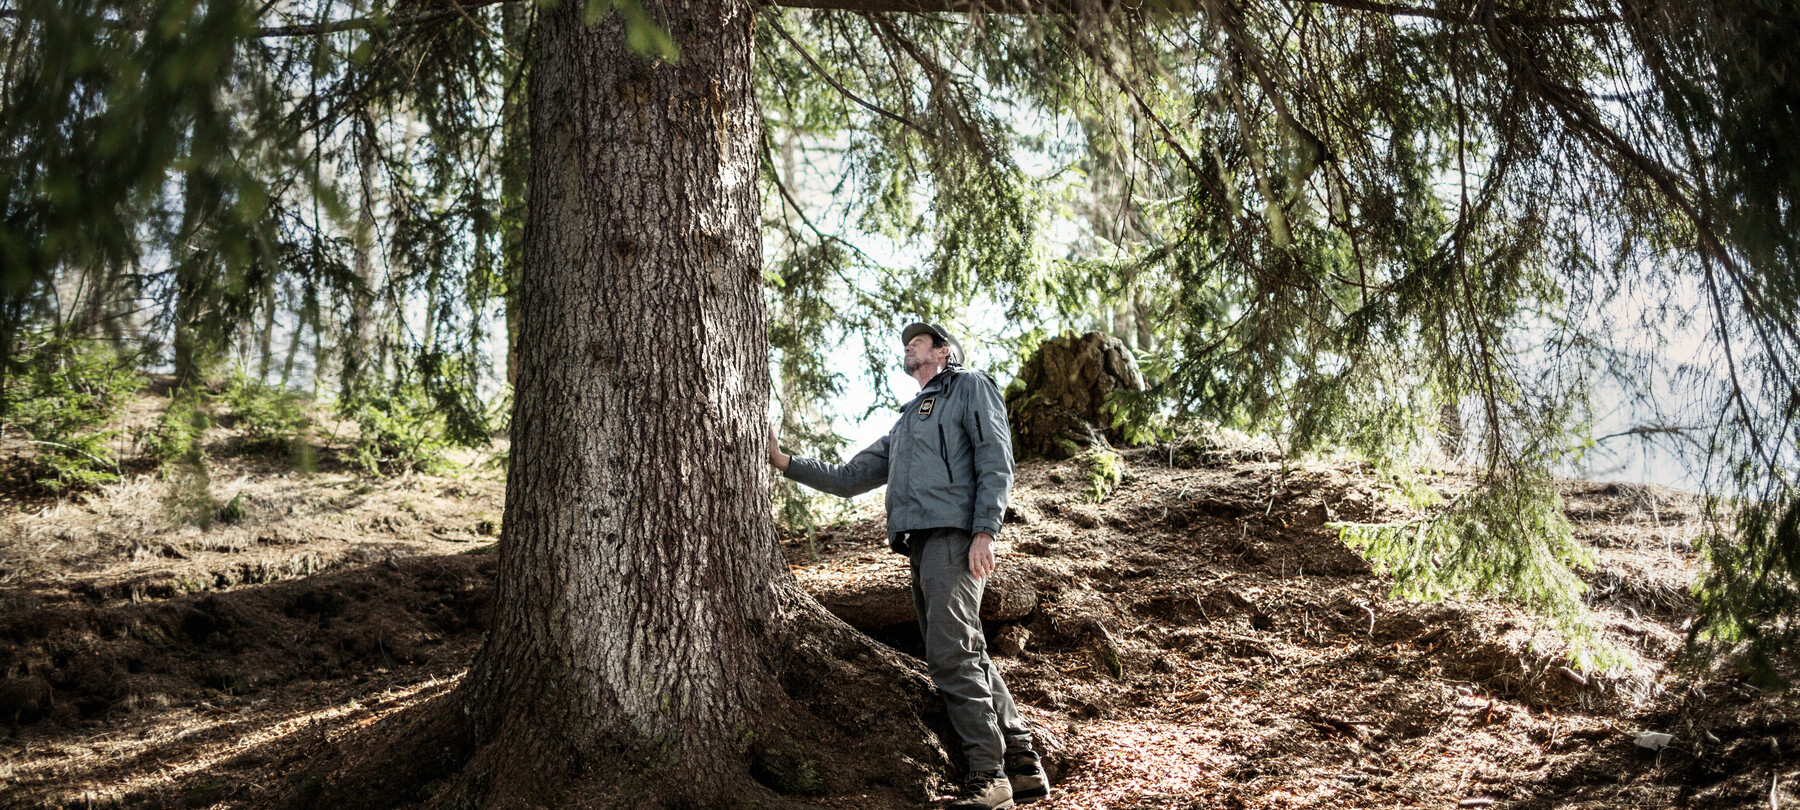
(639, 551)
(648, 646)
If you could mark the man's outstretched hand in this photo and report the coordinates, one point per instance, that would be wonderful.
(981, 555)
(777, 459)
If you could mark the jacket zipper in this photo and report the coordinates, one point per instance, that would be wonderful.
(979, 436)
(944, 453)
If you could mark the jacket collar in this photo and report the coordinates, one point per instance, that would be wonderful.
(942, 380)
(935, 385)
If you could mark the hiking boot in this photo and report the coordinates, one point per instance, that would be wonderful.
(1027, 777)
(985, 790)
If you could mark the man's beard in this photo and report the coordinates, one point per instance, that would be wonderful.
(911, 364)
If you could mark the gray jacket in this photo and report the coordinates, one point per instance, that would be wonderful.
(947, 462)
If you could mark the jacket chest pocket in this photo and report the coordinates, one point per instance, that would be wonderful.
(929, 433)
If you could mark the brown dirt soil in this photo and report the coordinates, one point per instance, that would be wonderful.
(1199, 638)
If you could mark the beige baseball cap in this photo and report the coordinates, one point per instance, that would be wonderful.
(917, 329)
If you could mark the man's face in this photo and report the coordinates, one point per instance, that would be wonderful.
(920, 352)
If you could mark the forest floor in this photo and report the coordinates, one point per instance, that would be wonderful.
(1197, 638)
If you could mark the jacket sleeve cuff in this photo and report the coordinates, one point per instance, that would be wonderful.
(990, 526)
(803, 471)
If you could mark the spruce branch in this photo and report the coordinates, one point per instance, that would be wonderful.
(845, 91)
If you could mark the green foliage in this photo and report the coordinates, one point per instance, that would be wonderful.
(98, 116)
(1414, 493)
(1722, 78)
(178, 440)
(61, 394)
(1509, 531)
(233, 511)
(411, 422)
(408, 427)
(1750, 596)
(1136, 416)
(178, 432)
(268, 419)
(180, 129)
(77, 465)
(931, 179)
(396, 431)
(1105, 469)
(1507, 537)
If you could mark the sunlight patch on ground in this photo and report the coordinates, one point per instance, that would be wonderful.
(166, 752)
(1138, 764)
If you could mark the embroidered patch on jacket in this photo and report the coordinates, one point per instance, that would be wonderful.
(925, 407)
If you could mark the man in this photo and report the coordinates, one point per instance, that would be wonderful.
(947, 465)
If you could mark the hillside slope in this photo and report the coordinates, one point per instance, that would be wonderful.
(1198, 638)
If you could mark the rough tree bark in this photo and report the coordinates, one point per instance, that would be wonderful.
(639, 551)
(1058, 411)
(648, 647)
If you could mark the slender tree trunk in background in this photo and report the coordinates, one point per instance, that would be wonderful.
(93, 303)
(1450, 431)
(120, 327)
(428, 332)
(1146, 334)
(13, 307)
(387, 355)
(185, 309)
(266, 340)
(359, 332)
(287, 366)
(515, 135)
(189, 267)
(638, 556)
(318, 356)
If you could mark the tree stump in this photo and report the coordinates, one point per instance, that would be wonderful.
(1056, 404)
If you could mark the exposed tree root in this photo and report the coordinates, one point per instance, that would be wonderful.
(866, 709)
(851, 716)
(390, 764)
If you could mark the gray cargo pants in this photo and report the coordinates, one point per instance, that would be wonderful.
(948, 600)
